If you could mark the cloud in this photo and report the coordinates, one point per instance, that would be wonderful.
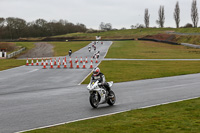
(120, 13)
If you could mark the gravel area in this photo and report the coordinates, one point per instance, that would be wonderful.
(42, 49)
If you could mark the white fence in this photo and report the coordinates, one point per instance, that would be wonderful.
(2, 54)
(15, 53)
(190, 45)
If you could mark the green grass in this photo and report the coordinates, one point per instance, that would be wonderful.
(62, 48)
(10, 63)
(27, 45)
(120, 71)
(151, 50)
(188, 39)
(181, 117)
(118, 34)
(129, 33)
(187, 30)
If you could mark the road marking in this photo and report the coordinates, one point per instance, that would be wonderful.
(167, 103)
(108, 114)
(179, 85)
(32, 70)
(12, 68)
(97, 64)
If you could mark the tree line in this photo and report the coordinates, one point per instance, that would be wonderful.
(14, 28)
(161, 16)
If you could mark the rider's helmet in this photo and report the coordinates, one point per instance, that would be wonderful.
(96, 71)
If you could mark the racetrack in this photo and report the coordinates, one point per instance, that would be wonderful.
(32, 97)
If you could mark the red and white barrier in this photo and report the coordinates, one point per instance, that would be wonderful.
(76, 60)
(59, 61)
(96, 60)
(37, 64)
(81, 60)
(65, 64)
(63, 61)
(32, 64)
(27, 62)
(84, 64)
(86, 61)
(70, 60)
(55, 62)
(42, 63)
(51, 63)
(77, 65)
(91, 60)
(71, 65)
(91, 65)
(46, 62)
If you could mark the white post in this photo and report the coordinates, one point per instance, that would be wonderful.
(0, 54)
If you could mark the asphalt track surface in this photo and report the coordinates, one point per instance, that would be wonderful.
(32, 97)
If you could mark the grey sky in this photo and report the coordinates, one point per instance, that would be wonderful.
(120, 13)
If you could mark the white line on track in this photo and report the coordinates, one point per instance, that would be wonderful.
(12, 68)
(108, 114)
(174, 86)
(32, 70)
(96, 65)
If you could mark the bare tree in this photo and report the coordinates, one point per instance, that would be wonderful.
(102, 26)
(146, 18)
(161, 17)
(177, 14)
(2, 21)
(108, 26)
(105, 26)
(194, 13)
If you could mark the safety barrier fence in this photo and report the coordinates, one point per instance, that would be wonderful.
(15, 53)
(155, 40)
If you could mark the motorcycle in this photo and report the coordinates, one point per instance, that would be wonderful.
(96, 55)
(98, 95)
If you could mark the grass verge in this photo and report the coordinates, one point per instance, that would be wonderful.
(129, 33)
(118, 34)
(62, 48)
(151, 50)
(10, 63)
(181, 117)
(120, 71)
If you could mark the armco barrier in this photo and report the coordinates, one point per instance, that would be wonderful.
(15, 53)
(155, 40)
(190, 45)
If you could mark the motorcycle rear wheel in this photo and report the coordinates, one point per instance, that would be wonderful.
(112, 98)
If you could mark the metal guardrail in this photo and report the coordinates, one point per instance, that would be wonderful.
(155, 40)
(190, 45)
(15, 53)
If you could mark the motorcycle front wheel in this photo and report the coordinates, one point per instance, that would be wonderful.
(94, 101)
(111, 98)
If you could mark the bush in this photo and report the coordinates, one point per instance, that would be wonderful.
(188, 25)
(8, 46)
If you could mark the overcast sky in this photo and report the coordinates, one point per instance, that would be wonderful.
(120, 13)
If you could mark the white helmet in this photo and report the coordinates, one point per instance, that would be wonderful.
(96, 71)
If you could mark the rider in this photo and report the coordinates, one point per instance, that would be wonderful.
(96, 55)
(70, 52)
(89, 48)
(97, 75)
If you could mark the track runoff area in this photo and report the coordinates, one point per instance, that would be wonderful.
(126, 100)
